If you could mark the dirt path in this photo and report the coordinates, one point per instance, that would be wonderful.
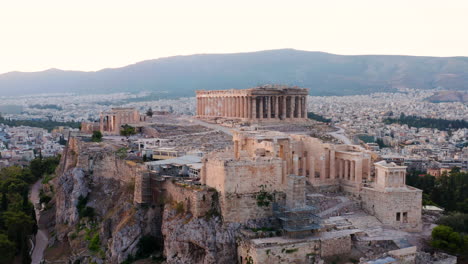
(341, 136)
(42, 239)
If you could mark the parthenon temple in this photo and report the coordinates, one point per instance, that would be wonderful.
(264, 103)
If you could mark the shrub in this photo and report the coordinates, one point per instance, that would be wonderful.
(95, 243)
(263, 197)
(97, 136)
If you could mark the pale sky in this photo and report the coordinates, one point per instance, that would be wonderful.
(94, 34)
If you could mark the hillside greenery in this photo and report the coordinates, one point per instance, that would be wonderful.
(17, 217)
(449, 191)
(417, 121)
(317, 117)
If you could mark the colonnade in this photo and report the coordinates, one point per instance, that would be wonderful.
(350, 170)
(252, 107)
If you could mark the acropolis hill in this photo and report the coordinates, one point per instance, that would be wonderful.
(247, 179)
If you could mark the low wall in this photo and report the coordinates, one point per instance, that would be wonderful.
(279, 250)
(295, 250)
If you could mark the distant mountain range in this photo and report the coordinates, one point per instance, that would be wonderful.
(323, 73)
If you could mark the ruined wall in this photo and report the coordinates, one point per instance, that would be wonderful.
(278, 251)
(196, 200)
(386, 205)
(236, 208)
(335, 246)
(291, 250)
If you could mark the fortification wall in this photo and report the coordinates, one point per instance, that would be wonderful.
(197, 200)
(246, 176)
(240, 208)
(398, 208)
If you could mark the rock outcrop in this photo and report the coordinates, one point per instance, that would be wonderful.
(95, 172)
(198, 240)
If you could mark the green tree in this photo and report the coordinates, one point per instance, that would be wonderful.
(97, 136)
(7, 249)
(127, 130)
(149, 112)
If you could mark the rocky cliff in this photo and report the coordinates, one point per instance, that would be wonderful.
(95, 217)
(97, 221)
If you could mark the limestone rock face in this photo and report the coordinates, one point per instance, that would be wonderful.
(198, 240)
(108, 183)
(72, 186)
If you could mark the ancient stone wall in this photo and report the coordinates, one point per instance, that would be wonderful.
(299, 252)
(240, 208)
(195, 199)
(335, 246)
(399, 208)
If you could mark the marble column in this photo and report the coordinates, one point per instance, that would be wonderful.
(277, 116)
(254, 107)
(268, 102)
(240, 106)
(346, 169)
(323, 168)
(332, 164)
(237, 106)
(246, 107)
(293, 106)
(260, 110)
(299, 107)
(283, 111)
(226, 106)
(304, 107)
(358, 170)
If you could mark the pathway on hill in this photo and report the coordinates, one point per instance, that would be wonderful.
(340, 135)
(226, 130)
(42, 239)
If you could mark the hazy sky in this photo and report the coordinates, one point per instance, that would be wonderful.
(95, 34)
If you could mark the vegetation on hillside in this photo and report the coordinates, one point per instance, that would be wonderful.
(449, 191)
(317, 117)
(443, 237)
(17, 217)
(49, 124)
(417, 121)
(47, 106)
(97, 136)
(127, 130)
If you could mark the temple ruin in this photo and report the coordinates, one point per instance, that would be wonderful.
(269, 103)
(111, 122)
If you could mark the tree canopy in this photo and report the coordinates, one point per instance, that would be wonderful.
(17, 217)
